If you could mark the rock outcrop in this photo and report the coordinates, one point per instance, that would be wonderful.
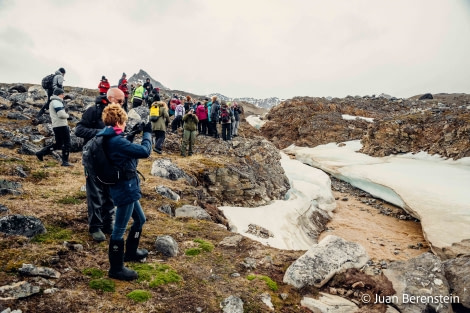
(323, 260)
(420, 285)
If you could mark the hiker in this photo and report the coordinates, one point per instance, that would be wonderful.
(103, 86)
(126, 192)
(178, 120)
(189, 132)
(214, 116)
(99, 202)
(172, 103)
(159, 127)
(237, 111)
(201, 113)
(138, 95)
(154, 96)
(188, 104)
(210, 132)
(226, 121)
(60, 127)
(122, 84)
(148, 87)
(57, 82)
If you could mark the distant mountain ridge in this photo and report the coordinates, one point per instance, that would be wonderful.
(266, 103)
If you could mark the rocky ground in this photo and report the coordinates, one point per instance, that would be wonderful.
(213, 265)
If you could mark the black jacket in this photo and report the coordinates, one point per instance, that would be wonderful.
(91, 122)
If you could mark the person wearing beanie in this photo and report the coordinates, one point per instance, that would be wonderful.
(148, 87)
(103, 86)
(60, 127)
(57, 82)
(122, 84)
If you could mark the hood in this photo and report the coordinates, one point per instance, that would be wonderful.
(108, 131)
(56, 98)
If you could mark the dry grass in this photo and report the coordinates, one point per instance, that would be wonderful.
(56, 199)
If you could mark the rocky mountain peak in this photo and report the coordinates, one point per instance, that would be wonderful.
(143, 75)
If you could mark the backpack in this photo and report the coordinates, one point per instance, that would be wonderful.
(224, 115)
(96, 158)
(46, 82)
(154, 113)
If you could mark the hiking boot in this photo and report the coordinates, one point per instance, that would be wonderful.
(66, 164)
(40, 156)
(158, 151)
(190, 154)
(98, 236)
(132, 243)
(117, 269)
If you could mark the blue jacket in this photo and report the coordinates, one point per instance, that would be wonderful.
(125, 155)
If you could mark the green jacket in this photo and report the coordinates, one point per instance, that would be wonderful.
(163, 120)
(139, 92)
(190, 122)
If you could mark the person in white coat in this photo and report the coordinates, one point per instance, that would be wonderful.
(60, 127)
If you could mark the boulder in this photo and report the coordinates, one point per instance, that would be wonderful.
(10, 188)
(18, 290)
(31, 270)
(166, 169)
(167, 246)
(21, 225)
(426, 96)
(327, 303)
(232, 304)
(323, 260)
(192, 211)
(167, 193)
(420, 285)
(457, 272)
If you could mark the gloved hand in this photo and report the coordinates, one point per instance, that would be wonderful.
(137, 128)
(148, 128)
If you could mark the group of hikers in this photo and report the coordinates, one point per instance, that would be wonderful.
(110, 206)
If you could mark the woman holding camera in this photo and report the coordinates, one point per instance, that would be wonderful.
(125, 193)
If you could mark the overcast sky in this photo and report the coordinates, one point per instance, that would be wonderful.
(244, 48)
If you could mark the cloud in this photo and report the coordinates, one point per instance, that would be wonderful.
(243, 48)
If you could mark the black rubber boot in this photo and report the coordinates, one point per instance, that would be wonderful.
(65, 158)
(116, 260)
(44, 151)
(132, 253)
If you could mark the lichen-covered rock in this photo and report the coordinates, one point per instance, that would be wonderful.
(10, 187)
(250, 175)
(28, 226)
(232, 304)
(422, 276)
(167, 193)
(457, 272)
(18, 290)
(193, 212)
(323, 260)
(329, 303)
(165, 168)
(31, 270)
(167, 246)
